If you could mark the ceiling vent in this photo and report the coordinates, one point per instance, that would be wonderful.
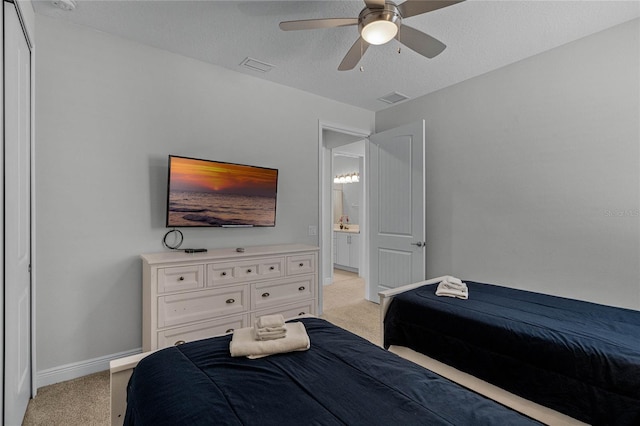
(67, 5)
(393, 98)
(255, 65)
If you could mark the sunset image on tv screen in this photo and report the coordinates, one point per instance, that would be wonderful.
(211, 193)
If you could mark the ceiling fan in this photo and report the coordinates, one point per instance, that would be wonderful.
(378, 23)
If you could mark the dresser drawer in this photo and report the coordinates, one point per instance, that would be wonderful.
(244, 271)
(288, 290)
(302, 264)
(287, 311)
(178, 309)
(201, 330)
(180, 278)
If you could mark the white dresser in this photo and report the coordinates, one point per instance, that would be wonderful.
(193, 296)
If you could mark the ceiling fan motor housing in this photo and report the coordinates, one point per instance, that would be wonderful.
(385, 20)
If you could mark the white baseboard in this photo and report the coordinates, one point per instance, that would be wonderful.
(78, 369)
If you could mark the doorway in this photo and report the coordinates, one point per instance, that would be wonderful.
(332, 137)
(347, 202)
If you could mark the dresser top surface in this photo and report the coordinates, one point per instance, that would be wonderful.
(225, 253)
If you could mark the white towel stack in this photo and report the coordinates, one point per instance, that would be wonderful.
(270, 327)
(452, 287)
(243, 342)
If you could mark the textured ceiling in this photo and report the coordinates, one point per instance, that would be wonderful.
(481, 35)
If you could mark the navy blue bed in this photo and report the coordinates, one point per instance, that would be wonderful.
(341, 379)
(579, 358)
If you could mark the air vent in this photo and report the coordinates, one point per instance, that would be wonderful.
(255, 65)
(67, 5)
(393, 98)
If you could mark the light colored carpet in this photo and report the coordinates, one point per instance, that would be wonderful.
(345, 306)
(85, 401)
(82, 401)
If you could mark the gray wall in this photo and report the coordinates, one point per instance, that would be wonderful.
(109, 111)
(533, 171)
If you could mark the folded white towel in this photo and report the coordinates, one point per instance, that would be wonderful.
(270, 321)
(269, 327)
(452, 287)
(244, 344)
(269, 334)
(460, 294)
(454, 280)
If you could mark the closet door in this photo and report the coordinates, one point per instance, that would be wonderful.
(17, 208)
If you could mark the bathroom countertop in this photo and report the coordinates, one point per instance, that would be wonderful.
(352, 229)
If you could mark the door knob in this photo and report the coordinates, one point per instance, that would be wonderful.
(419, 244)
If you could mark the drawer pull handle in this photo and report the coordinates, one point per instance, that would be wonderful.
(249, 271)
(181, 279)
(223, 274)
(301, 288)
(272, 268)
(229, 301)
(179, 342)
(301, 313)
(301, 264)
(229, 330)
(265, 294)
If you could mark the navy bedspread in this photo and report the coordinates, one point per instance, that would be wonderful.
(342, 379)
(580, 358)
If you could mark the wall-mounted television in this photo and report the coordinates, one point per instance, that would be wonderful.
(218, 194)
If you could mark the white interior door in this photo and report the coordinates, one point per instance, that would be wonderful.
(397, 253)
(17, 207)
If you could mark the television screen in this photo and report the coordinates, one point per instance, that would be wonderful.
(214, 193)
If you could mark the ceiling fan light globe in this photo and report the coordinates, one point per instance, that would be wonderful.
(379, 32)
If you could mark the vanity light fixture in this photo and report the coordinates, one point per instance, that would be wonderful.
(348, 178)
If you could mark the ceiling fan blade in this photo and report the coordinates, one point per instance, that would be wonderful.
(354, 55)
(416, 7)
(312, 24)
(374, 4)
(420, 42)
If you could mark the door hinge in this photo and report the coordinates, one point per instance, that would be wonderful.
(29, 268)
